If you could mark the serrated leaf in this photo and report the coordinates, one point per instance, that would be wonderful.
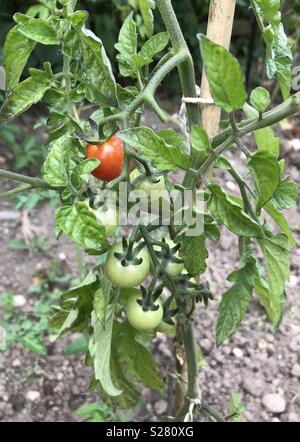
(130, 396)
(155, 149)
(235, 301)
(155, 45)
(55, 172)
(140, 61)
(82, 171)
(100, 82)
(172, 138)
(16, 52)
(146, 7)
(80, 224)
(266, 174)
(194, 254)
(224, 75)
(100, 350)
(127, 46)
(279, 57)
(286, 195)
(22, 97)
(136, 357)
(276, 254)
(39, 31)
(262, 290)
(229, 213)
(280, 220)
(78, 18)
(101, 299)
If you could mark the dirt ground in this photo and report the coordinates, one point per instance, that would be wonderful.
(263, 368)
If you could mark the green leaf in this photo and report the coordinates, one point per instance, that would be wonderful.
(194, 254)
(79, 345)
(100, 350)
(100, 82)
(260, 99)
(55, 172)
(266, 174)
(224, 75)
(101, 299)
(39, 11)
(286, 195)
(235, 301)
(136, 357)
(262, 290)
(172, 138)
(130, 396)
(140, 61)
(16, 52)
(279, 57)
(82, 172)
(39, 31)
(276, 254)
(155, 149)
(155, 45)
(127, 46)
(265, 138)
(23, 96)
(78, 18)
(146, 7)
(69, 321)
(200, 142)
(229, 213)
(33, 344)
(81, 226)
(280, 220)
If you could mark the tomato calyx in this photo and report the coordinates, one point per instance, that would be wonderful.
(129, 255)
(168, 254)
(149, 298)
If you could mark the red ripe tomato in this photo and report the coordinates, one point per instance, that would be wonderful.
(111, 155)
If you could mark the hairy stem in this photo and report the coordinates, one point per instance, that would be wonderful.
(34, 182)
(19, 189)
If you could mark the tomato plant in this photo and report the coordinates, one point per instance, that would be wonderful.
(104, 144)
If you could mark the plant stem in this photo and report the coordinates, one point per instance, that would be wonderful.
(289, 107)
(19, 189)
(34, 182)
(192, 366)
(188, 83)
(186, 69)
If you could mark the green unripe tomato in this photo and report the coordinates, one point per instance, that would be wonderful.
(173, 268)
(140, 319)
(127, 276)
(107, 216)
(147, 185)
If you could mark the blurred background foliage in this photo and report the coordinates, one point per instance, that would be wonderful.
(105, 18)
